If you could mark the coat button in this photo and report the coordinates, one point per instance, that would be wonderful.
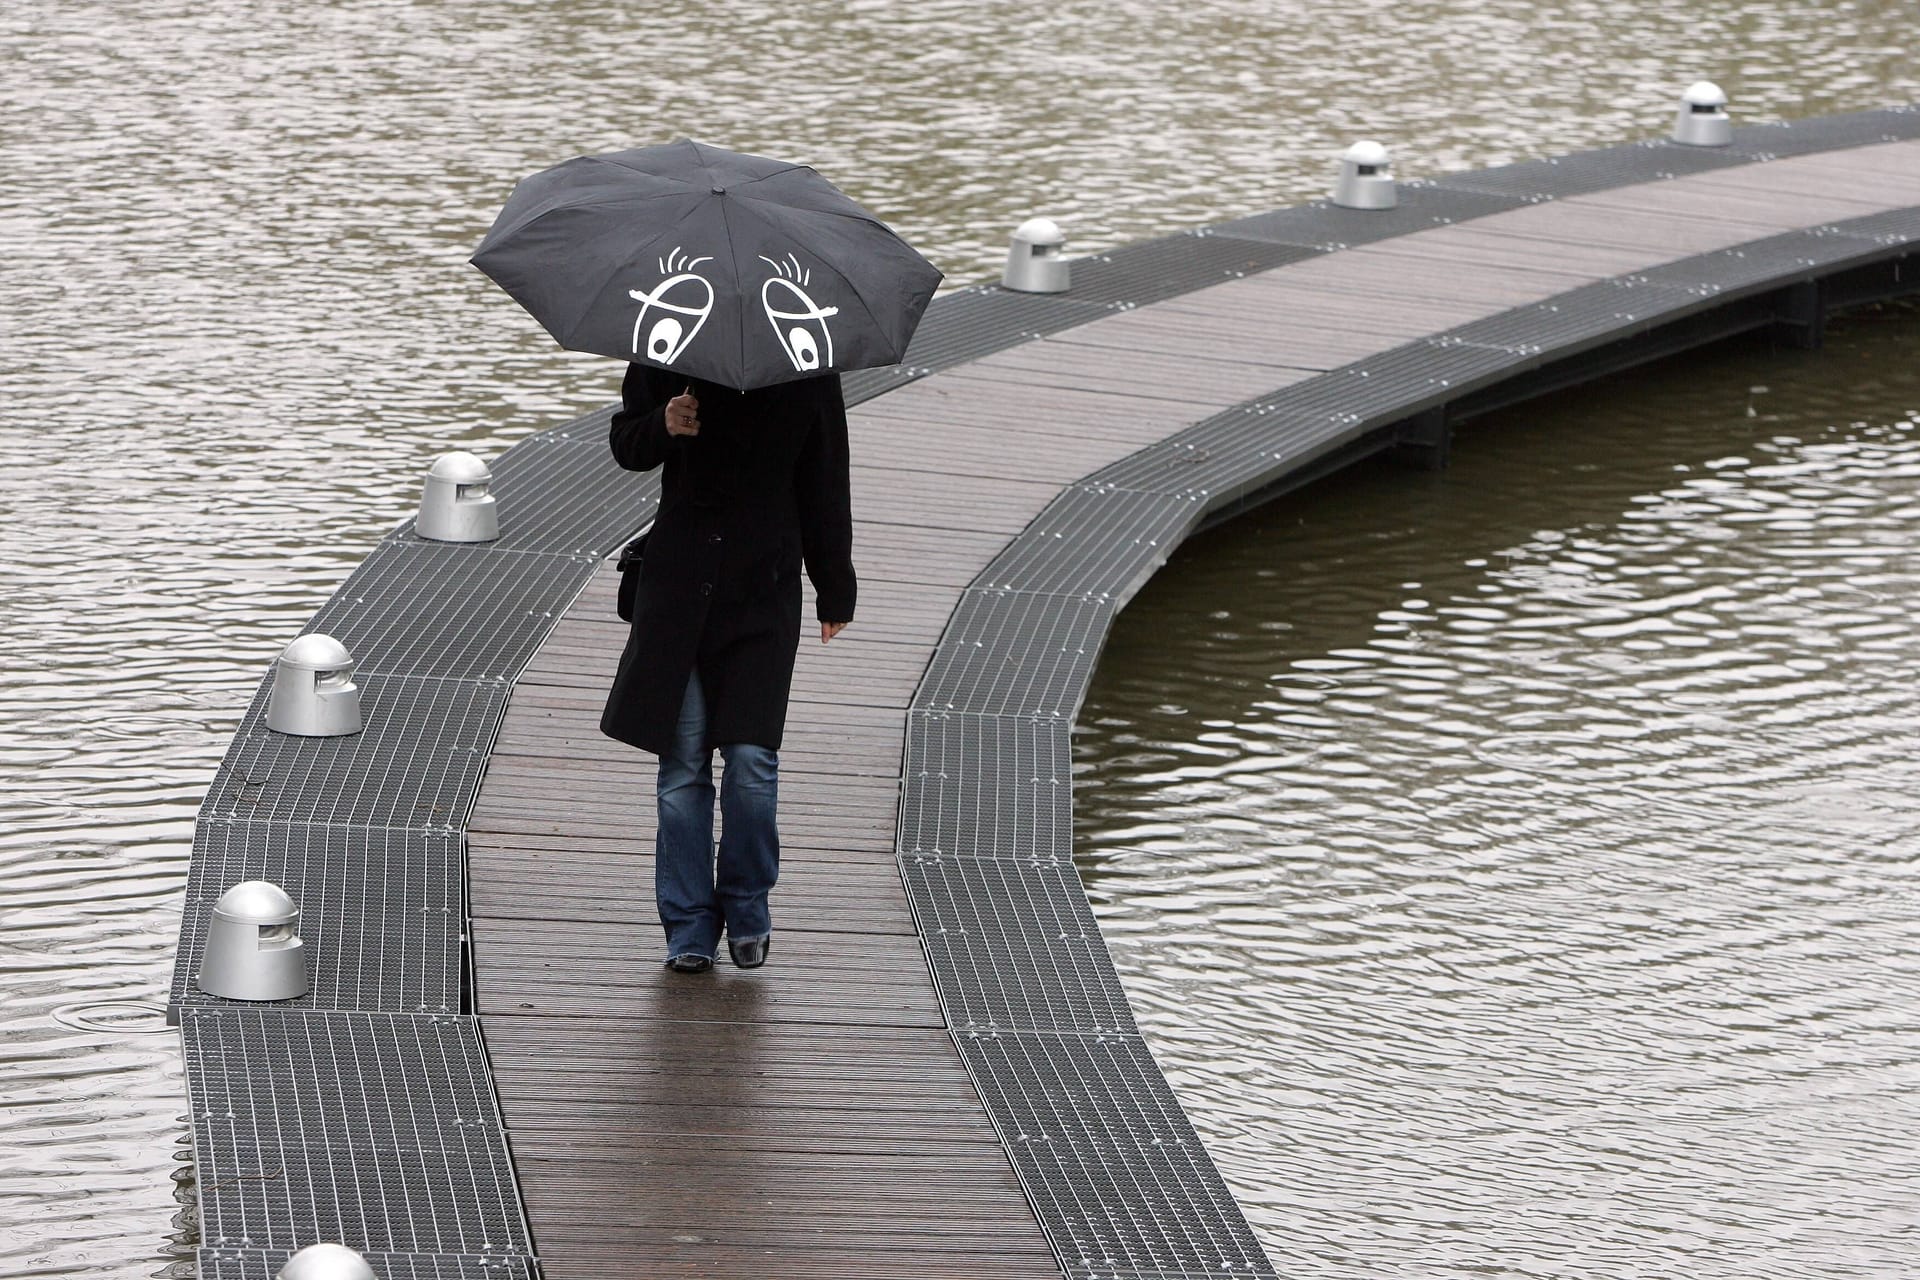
(706, 588)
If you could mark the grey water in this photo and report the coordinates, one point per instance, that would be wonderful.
(1512, 867)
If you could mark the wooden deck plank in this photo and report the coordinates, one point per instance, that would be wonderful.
(629, 901)
(1112, 401)
(832, 839)
(726, 1108)
(1013, 449)
(1571, 222)
(1203, 386)
(1283, 345)
(1891, 168)
(564, 742)
(601, 874)
(827, 789)
(791, 1230)
(882, 686)
(612, 1047)
(695, 1254)
(838, 977)
(808, 797)
(816, 822)
(610, 874)
(913, 555)
(588, 702)
(1416, 278)
(1469, 244)
(947, 403)
(1754, 216)
(947, 501)
(1888, 190)
(564, 739)
(811, 895)
(957, 502)
(1255, 300)
(861, 1150)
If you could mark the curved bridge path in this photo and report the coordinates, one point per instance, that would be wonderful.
(937, 1074)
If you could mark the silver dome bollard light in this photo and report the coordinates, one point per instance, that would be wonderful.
(326, 1262)
(252, 951)
(1034, 264)
(1703, 120)
(314, 695)
(1366, 178)
(455, 505)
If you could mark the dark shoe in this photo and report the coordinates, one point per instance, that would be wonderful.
(749, 955)
(690, 963)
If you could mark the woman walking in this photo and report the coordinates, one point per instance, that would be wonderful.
(738, 288)
(754, 486)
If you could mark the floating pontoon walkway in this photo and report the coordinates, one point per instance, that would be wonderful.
(937, 1074)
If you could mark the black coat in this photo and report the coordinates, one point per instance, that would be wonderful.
(761, 488)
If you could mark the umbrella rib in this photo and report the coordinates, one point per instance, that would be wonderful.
(627, 168)
(741, 328)
(763, 177)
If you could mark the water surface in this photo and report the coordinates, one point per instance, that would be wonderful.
(1517, 869)
(238, 326)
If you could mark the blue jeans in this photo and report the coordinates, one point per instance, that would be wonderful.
(697, 898)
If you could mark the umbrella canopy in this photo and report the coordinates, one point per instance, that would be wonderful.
(734, 268)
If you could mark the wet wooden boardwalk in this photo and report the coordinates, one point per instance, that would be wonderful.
(813, 1118)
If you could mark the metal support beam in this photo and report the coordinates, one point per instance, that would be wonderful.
(1425, 440)
(1801, 314)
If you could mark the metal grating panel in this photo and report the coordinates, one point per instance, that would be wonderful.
(1763, 264)
(561, 493)
(978, 321)
(1094, 541)
(1589, 171)
(1325, 225)
(1117, 1175)
(460, 611)
(987, 787)
(1419, 375)
(1895, 227)
(374, 1130)
(416, 763)
(1154, 270)
(589, 428)
(265, 1264)
(1015, 653)
(1604, 311)
(1239, 446)
(380, 910)
(1824, 133)
(864, 384)
(1014, 945)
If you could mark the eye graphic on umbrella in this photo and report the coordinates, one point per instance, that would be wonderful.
(690, 294)
(796, 329)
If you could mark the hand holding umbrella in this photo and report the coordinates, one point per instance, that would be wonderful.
(683, 414)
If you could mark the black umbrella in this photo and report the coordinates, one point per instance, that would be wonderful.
(733, 268)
